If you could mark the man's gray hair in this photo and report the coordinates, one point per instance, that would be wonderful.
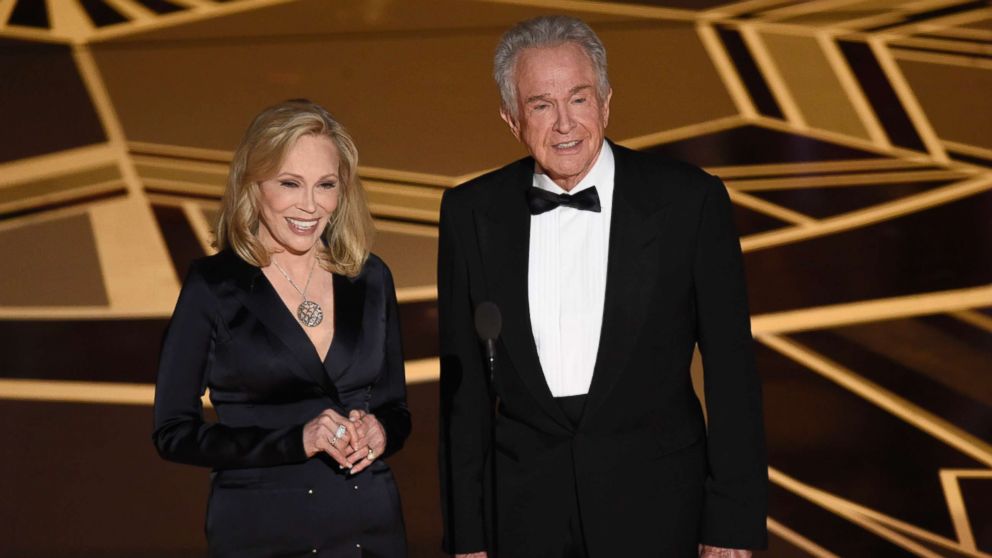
(543, 32)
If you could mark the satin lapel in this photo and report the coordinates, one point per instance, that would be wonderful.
(349, 306)
(633, 226)
(504, 237)
(258, 295)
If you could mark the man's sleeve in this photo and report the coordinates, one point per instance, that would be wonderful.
(737, 483)
(465, 422)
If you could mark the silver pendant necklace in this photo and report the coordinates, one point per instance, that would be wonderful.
(308, 312)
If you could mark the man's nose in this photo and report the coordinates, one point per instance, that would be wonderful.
(564, 123)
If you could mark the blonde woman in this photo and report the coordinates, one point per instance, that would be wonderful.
(293, 328)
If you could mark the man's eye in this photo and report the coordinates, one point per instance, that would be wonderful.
(579, 100)
(541, 106)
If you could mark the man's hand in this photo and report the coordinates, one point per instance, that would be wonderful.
(707, 551)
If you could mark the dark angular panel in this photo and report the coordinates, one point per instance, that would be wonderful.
(932, 14)
(830, 201)
(29, 13)
(101, 14)
(92, 350)
(749, 221)
(51, 263)
(45, 106)
(101, 490)
(965, 158)
(681, 4)
(183, 245)
(973, 337)
(415, 468)
(162, 6)
(419, 327)
(828, 437)
(974, 56)
(801, 173)
(827, 529)
(882, 97)
(931, 250)
(856, 348)
(754, 145)
(747, 69)
(977, 495)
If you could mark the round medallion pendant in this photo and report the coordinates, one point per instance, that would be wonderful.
(310, 313)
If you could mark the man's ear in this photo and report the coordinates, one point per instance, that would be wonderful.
(511, 122)
(606, 107)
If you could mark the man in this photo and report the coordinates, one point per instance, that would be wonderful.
(608, 266)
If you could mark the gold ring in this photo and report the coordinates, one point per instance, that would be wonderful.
(371, 455)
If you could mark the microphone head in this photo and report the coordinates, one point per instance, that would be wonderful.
(488, 321)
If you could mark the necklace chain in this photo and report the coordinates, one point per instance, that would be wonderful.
(309, 312)
(303, 291)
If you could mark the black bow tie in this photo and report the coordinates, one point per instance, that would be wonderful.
(541, 201)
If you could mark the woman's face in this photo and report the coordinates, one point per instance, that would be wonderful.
(296, 203)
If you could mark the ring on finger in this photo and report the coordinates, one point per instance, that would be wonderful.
(371, 454)
(340, 432)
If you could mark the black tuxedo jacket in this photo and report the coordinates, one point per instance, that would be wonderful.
(232, 333)
(652, 479)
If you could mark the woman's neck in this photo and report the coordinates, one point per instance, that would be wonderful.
(296, 265)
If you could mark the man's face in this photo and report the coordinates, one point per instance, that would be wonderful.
(561, 118)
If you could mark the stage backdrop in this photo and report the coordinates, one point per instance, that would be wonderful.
(855, 137)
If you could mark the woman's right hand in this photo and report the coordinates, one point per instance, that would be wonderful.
(321, 435)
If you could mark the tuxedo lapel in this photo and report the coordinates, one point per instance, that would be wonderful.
(634, 225)
(258, 296)
(504, 237)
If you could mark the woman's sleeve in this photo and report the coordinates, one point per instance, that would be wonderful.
(181, 434)
(389, 394)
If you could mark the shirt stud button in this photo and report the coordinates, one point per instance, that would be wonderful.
(310, 491)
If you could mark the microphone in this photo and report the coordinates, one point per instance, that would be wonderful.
(488, 323)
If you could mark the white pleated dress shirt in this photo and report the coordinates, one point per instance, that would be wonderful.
(567, 280)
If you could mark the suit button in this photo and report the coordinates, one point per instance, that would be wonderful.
(310, 491)
(356, 487)
(358, 545)
(313, 551)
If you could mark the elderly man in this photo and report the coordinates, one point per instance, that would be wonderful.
(608, 267)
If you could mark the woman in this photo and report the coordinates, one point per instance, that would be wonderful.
(293, 327)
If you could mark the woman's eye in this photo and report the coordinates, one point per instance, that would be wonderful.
(328, 185)
(288, 184)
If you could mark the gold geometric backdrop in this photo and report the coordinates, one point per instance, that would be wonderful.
(855, 137)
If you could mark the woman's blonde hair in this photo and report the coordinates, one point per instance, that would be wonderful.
(349, 232)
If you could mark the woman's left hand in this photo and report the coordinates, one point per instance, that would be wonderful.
(371, 441)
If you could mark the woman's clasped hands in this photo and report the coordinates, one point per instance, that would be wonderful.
(354, 441)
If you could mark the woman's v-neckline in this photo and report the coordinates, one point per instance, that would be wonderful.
(301, 328)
